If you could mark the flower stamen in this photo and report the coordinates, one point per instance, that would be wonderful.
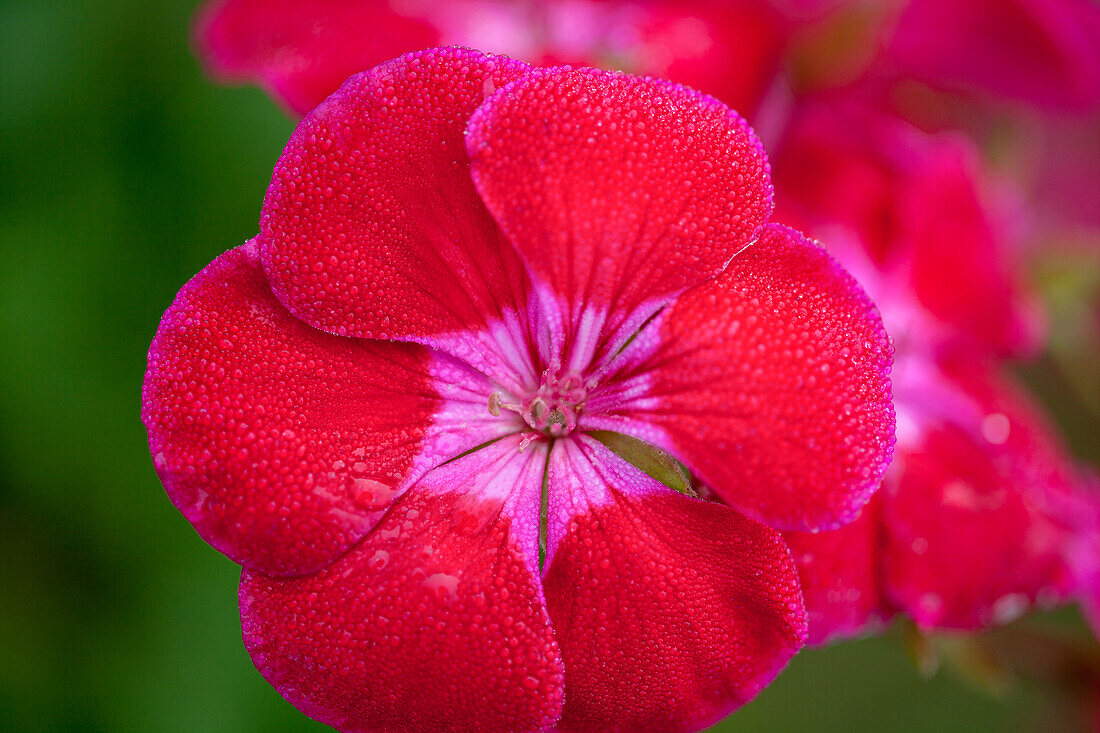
(552, 409)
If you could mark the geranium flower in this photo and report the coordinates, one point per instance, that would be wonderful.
(301, 52)
(979, 511)
(389, 406)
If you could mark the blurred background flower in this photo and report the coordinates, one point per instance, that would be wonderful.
(896, 129)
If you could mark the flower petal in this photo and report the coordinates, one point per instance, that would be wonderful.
(670, 611)
(923, 209)
(619, 192)
(770, 382)
(980, 477)
(372, 227)
(964, 547)
(839, 574)
(283, 445)
(1084, 551)
(435, 621)
(302, 50)
(962, 259)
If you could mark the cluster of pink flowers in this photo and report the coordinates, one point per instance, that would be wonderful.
(302, 51)
(520, 412)
(982, 514)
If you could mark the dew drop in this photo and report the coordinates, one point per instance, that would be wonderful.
(370, 494)
(379, 560)
(443, 586)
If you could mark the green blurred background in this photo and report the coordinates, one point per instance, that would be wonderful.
(123, 171)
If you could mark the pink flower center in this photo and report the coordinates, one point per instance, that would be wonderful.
(553, 408)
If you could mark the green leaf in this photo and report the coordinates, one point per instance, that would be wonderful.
(655, 462)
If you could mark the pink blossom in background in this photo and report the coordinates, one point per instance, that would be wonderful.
(841, 577)
(388, 406)
(919, 206)
(978, 515)
(731, 50)
(977, 520)
(1086, 552)
(301, 52)
(1039, 52)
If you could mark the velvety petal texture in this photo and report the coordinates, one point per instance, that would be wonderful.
(644, 188)
(770, 382)
(372, 227)
(283, 445)
(435, 621)
(670, 611)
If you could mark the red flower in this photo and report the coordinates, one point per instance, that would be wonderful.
(301, 52)
(387, 407)
(977, 519)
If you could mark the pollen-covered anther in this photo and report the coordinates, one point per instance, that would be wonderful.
(497, 403)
